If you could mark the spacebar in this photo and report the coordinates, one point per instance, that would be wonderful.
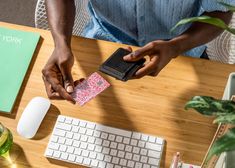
(113, 130)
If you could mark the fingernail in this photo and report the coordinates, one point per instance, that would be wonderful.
(127, 57)
(69, 89)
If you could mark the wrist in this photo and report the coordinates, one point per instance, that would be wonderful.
(180, 44)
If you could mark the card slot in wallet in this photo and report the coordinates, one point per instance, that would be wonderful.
(116, 67)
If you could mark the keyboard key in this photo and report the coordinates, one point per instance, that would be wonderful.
(64, 156)
(121, 146)
(61, 140)
(100, 156)
(92, 155)
(123, 162)
(144, 137)
(118, 139)
(153, 154)
(85, 153)
(107, 158)
(113, 152)
(117, 166)
(90, 125)
(143, 159)
(128, 148)
(134, 142)
(97, 134)
(82, 124)
(91, 147)
(121, 154)
(89, 132)
(104, 135)
(138, 165)
(70, 149)
(136, 135)
(111, 137)
(106, 151)
(76, 144)
(128, 156)
(153, 146)
(63, 148)
(130, 163)
(59, 132)
(98, 141)
(106, 143)
(76, 136)
(126, 140)
(75, 129)
(72, 158)
(49, 152)
(54, 138)
(86, 161)
(113, 130)
(79, 159)
(94, 163)
(64, 126)
(109, 165)
(153, 161)
(68, 120)
(113, 145)
(141, 144)
(91, 140)
(136, 157)
(83, 145)
(69, 142)
(75, 122)
(102, 164)
(152, 139)
(143, 152)
(77, 151)
(69, 135)
(160, 141)
(115, 160)
(61, 118)
(136, 150)
(82, 130)
(54, 146)
(56, 154)
(98, 149)
(146, 166)
(83, 138)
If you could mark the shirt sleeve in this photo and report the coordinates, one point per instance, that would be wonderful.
(213, 5)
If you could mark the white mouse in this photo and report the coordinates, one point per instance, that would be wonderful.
(32, 117)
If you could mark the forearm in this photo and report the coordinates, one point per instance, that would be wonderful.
(199, 33)
(61, 14)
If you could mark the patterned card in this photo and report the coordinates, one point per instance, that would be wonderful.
(89, 88)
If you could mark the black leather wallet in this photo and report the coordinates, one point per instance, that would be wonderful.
(116, 67)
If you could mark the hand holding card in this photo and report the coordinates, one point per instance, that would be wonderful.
(89, 88)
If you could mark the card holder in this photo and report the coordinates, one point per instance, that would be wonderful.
(116, 67)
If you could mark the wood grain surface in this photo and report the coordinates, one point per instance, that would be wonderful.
(152, 105)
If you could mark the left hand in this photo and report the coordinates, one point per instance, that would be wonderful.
(160, 53)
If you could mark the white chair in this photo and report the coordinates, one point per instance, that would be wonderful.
(221, 49)
(82, 16)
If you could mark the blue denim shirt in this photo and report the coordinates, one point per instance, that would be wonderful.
(138, 22)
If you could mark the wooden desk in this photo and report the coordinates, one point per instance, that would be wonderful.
(150, 105)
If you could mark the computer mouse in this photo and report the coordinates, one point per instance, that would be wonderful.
(32, 117)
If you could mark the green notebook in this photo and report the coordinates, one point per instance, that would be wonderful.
(16, 51)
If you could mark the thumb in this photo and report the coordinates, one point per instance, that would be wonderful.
(138, 54)
(68, 79)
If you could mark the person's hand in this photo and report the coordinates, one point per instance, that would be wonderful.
(160, 54)
(57, 75)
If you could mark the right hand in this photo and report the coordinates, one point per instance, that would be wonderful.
(57, 75)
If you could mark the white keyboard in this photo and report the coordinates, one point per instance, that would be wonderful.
(95, 145)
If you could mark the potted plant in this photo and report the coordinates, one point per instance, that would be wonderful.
(222, 110)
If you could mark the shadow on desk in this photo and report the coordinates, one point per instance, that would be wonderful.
(22, 88)
(48, 123)
(108, 101)
(15, 153)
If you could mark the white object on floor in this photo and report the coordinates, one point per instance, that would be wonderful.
(95, 145)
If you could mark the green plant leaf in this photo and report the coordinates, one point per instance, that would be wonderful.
(225, 119)
(228, 6)
(209, 106)
(223, 144)
(205, 19)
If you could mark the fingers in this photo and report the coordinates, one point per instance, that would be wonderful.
(68, 79)
(50, 92)
(54, 88)
(140, 53)
(129, 48)
(150, 68)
